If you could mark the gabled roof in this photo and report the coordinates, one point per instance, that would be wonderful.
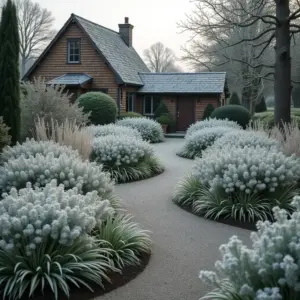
(123, 60)
(204, 82)
(70, 79)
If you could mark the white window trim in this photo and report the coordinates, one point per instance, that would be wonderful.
(144, 113)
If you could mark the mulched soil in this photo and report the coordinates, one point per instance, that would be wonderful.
(117, 280)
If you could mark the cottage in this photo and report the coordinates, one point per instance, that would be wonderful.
(86, 56)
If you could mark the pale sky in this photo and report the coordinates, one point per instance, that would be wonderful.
(153, 20)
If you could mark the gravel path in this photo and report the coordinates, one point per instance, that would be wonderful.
(183, 243)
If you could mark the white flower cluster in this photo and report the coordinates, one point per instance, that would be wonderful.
(209, 123)
(199, 140)
(112, 129)
(29, 215)
(248, 169)
(120, 150)
(271, 269)
(70, 171)
(150, 130)
(31, 147)
(239, 138)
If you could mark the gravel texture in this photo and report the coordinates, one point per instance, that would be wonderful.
(183, 243)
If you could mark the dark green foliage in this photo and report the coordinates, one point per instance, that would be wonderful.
(208, 111)
(226, 90)
(261, 105)
(165, 119)
(4, 136)
(103, 108)
(9, 70)
(236, 113)
(161, 109)
(130, 114)
(296, 96)
(234, 99)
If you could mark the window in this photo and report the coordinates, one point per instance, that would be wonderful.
(150, 104)
(73, 55)
(129, 102)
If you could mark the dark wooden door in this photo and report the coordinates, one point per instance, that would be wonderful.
(185, 112)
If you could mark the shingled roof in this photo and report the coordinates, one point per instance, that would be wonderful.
(123, 60)
(204, 82)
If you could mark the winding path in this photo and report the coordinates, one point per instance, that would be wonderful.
(183, 243)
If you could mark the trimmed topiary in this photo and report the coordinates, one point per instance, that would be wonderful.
(236, 113)
(208, 111)
(126, 158)
(5, 138)
(150, 130)
(197, 142)
(261, 105)
(102, 107)
(161, 110)
(234, 99)
(130, 114)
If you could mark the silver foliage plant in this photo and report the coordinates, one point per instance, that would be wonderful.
(112, 129)
(70, 171)
(210, 123)
(201, 139)
(32, 147)
(30, 215)
(248, 169)
(269, 270)
(150, 130)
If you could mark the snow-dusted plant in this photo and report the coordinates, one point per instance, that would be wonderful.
(150, 130)
(112, 129)
(248, 169)
(241, 139)
(209, 123)
(125, 157)
(29, 215)
(269, 270)
(198, 141)
(68, 170)
(32, 147)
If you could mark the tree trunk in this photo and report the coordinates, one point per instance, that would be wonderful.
(23, 66)
(282, 83)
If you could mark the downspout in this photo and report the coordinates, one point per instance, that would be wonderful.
(119, 100)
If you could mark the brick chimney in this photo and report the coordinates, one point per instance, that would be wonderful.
(125, 31)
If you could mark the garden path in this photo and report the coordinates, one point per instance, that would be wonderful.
(183, 243)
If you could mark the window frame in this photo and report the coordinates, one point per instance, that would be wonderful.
(69, 41)
(132, 95)
(152, 105)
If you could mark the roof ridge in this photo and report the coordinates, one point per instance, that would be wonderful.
(181, 73)
(76, 16)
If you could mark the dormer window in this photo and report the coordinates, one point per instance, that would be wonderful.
(73, 51)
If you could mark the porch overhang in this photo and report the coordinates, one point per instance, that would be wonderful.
(71, 79)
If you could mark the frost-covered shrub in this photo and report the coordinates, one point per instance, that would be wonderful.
(198, 141)
(150, 130)
(70, 171)
(32, 147)
(45, 242)
(242, 139)
(112, 129)
(269, 270)
(248, 169)
(210, 123)
(125, 157)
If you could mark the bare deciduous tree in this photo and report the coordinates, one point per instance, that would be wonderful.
(262, 24)
(161, 59)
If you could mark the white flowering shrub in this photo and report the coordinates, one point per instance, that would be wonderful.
(198, 141)
(70, 171)
(210, 123)
(112, 129)
(125, 157)
(242, 139)
(32, 147)
(269, 270)
(45, 242)
(150, 130)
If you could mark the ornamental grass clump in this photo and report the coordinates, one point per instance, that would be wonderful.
(32, 147)
(210, 123)
(269, 270)
(125, 157)
(45, 241)
(150, 130)
(70, 171)
(112, 129)
(198, 141)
